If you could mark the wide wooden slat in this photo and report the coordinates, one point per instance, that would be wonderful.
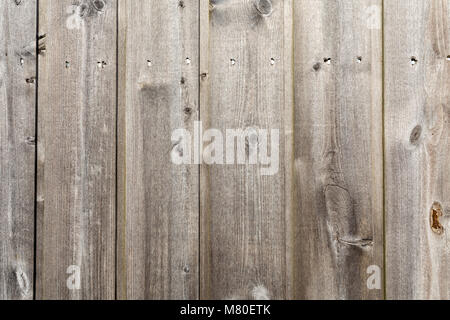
(76, 149)
(417, 122)
(243, 213)
(338, 223)
(117, 78)
(157, 199)
(17, 148)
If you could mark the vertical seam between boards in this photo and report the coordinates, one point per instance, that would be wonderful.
(293, 182)
(200, 166)
(116, 256)
(36, 130)
(383, 92)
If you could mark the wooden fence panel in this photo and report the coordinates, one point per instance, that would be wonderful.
(243, 220)
(17, 148)
(417, 132)
(338, 219)
(158, 200)
(322, 97)
(76, 149)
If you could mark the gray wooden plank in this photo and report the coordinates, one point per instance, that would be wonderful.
(417, 145)
(17, 148)
(243, 213)
(158, 200)
(338, 169)
(76, 149)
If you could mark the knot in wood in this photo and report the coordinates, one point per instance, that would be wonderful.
(98, 5)
(264, 7)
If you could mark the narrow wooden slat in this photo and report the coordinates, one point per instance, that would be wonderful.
(76, 149)
(338, 148)
(157, 200)
(243, 220)
(17, 148)
(417, 122)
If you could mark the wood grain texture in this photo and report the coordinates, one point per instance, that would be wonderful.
(17, 148)
(116, 78)
(76, 148)
(417, 122)
(338, 148)
(158, 200)
(243, 227)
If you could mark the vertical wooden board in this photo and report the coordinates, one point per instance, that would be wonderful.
(76, 149)
(17, 148)
(417, 146)
(243, 231)
(338, 148)
(158, 200)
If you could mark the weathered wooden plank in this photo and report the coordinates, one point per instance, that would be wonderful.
(338, 148)
(158, 200)
(76, 149)
(243, 231)
(17, 148)
(417, 145)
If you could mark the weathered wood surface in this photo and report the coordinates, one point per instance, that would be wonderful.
(243, 230)
(76, 149)
(117, 78)
(338, 218)
(158, 200)
(17, 148)
(417, 122)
